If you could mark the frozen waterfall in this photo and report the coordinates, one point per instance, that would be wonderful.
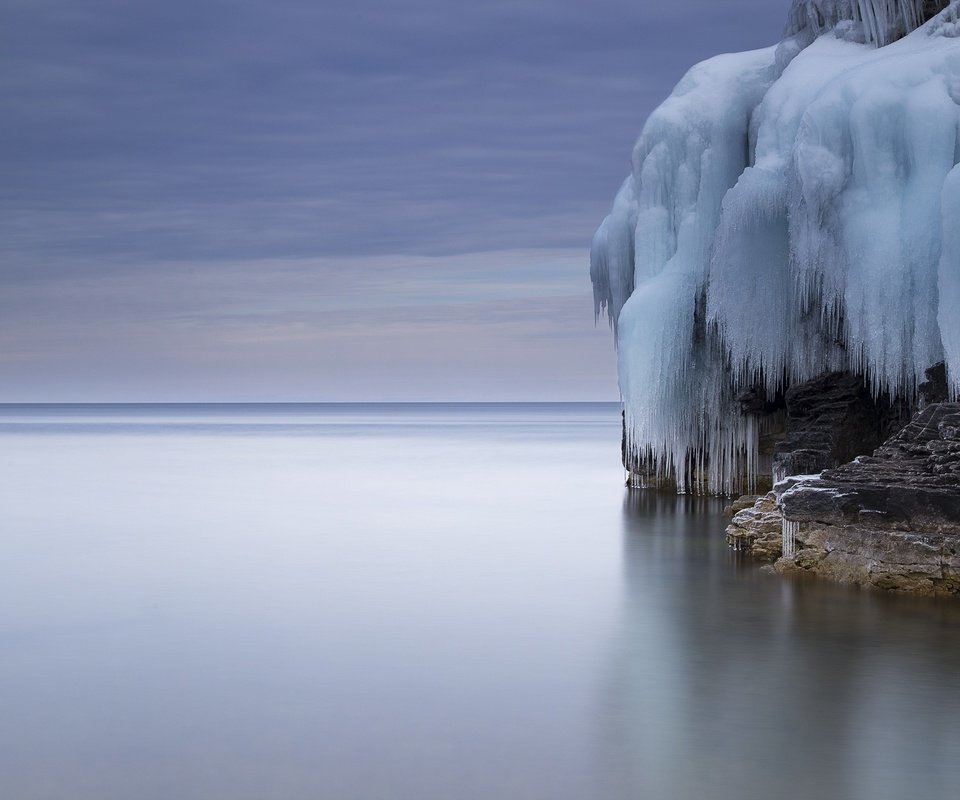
(790, 211)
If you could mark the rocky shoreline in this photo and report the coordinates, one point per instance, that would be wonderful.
(888, 521)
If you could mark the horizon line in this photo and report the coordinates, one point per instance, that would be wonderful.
(299, 402)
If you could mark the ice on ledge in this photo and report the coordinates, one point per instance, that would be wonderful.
(875, 21)
(790, 210)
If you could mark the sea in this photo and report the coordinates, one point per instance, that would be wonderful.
(426, 601)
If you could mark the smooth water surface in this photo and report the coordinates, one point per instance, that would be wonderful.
(463, 601)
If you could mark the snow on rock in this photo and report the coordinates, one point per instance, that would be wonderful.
(790, 211)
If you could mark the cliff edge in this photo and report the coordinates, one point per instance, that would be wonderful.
(890, 520)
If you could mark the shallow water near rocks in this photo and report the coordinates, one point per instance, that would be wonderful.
(436, 601)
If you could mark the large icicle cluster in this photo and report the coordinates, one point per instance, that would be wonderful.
(876, 21)
(790, 211)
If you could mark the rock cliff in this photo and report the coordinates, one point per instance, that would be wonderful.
(890, 520)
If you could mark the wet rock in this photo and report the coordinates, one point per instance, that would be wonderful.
(742, 502)
(758, 529)
(890, 520)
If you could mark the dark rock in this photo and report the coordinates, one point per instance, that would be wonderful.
(754, 401)
(830, 420)
(890, 520)
(814, 425)
(931, 8)
(934, 389)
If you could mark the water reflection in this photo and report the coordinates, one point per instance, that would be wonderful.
(725, 682)
(426, 604)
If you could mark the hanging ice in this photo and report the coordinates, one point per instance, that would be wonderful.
(790, 211)
(876, 21)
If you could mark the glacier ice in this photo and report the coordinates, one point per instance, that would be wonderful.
(790, 211)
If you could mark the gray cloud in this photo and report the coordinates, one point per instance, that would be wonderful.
(209, 134)
(238, 129)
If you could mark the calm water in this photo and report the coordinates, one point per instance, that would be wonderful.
(426, 602)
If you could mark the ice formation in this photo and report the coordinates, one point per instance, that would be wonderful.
(876, 21)
(790, 211)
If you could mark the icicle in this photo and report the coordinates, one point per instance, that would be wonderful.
(882, 21)
(790, 531)
(782, 221)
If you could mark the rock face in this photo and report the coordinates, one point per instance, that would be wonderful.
(890, 520)
(934, 389)
(758, 528)
(831, 420)
(815, 425)
(742, 502)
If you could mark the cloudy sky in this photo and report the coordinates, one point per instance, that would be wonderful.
(308, 200)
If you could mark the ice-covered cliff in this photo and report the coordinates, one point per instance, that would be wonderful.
(791, 211)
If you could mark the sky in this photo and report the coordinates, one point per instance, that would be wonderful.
(268, 200)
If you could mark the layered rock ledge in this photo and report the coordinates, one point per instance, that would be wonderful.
(890, 520)
(757, 528)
